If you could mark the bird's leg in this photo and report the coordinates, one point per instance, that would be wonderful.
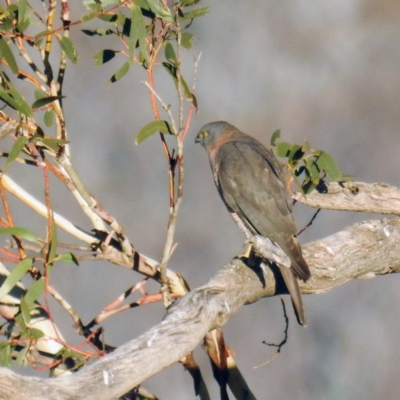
(247, 252)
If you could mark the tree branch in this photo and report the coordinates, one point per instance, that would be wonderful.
(362, 250)
(378, 198)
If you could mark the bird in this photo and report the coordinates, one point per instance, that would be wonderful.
(251, 183)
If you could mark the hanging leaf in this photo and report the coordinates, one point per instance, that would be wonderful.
(14, 153)
(313, 170)
(67, 257)
(121, 72)
(151, 128)
(328, 164)
(160, 12)
(48, 118)
(34, 292)
(14, 99)
(69, 49)
(170, 53)
(199, 12)
(283, 149)
(15, 276)
(186, 40)
(52, 144)
(296, 154)
(7, 54)
(45, 100)
(25, 311)
(104, 56)
(137, 31)
(5, 354)
(21, 233)
(276, 135)
(171, 69)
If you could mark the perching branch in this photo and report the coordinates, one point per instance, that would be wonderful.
(362, 250)
(377, 198)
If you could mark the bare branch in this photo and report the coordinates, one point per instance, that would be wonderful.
(378, 198)
(367, 249)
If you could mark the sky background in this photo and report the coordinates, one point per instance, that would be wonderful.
(327, 72)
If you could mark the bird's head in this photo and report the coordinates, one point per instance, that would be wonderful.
(212, 131)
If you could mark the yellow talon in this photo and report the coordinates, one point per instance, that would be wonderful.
(247, 252)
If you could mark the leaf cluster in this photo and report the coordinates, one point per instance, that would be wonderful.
(306, 163)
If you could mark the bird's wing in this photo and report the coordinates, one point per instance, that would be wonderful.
(253, 189)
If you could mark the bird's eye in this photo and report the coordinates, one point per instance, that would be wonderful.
(205, 133)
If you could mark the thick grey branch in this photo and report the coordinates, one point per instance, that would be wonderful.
(362, 250)
(378, 198)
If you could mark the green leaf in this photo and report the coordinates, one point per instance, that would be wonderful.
(108, 17)
(313, 170)
(104, 56)
(5, 354)
(296, 154)
(21, 233)
(151, 128)
(144, 55)
(160, 12)
(283, 149)
(53, 244)
(121, 72)
(298, 184)
(35, 291)
(35, 334)
(22, 105)
(137, 31)
(69, 49)
(99, 32)
(39, 94)
(276, 135)
(14, 152)
(48, 118)
(23, 22)
(186, 3)
(7, 54)
(25, 311)
(14, 99)
(15, 275)
(21, 357)
(45, 100)
(308, 187)
(171, 69)
(89, 16)
(328, 164)
(67, 257)
(305, 147)
(170, 53)
(53, 144)
(186, 40)
(199, 12)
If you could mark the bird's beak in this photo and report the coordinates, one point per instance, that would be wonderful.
(198, 138)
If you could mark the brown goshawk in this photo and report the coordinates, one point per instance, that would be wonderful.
(251, 183)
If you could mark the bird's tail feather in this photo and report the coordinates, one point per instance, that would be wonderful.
(294, 290)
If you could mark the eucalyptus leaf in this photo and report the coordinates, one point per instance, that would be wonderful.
(15, 151)
(151, 128)
(69, 49)
(276, 135)
(121, 72)
(283, 149)
(8, 55)
(44, 101)
(21, 233)
(15, 276)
